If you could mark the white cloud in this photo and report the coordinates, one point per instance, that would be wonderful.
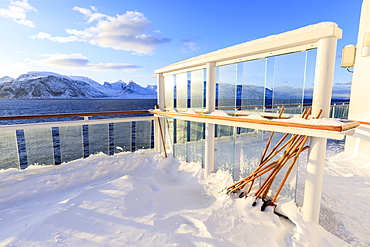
(78, 61)
(17, 11)
(42, 35)
(89, 14)
(129, 32)
(189, 46)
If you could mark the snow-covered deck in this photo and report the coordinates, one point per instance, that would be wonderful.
(144, 199)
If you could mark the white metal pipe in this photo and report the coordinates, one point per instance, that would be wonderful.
(158, 145)
(209, 146)
(211, 87)
(209, 149)
(314, 179)
(325, 60)
(160, 91)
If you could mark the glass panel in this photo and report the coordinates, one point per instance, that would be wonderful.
(71, 143)
(224, 148)
(226, 90)
(196, 144)
(289, 187)
(251, 147)
(39, 146)
(181, 139)
(143, 130)
(310, 75)
(8, 150)
(197, 90)
(182, 91)
(289, 78)
(169, 84)
(251, 78)
(170, 135)
(269, 83)
(98, 138)
(122, 133)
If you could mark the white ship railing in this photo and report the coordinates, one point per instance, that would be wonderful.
(173, 79)
(53, 143)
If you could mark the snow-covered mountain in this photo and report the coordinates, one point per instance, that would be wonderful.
(45, 85)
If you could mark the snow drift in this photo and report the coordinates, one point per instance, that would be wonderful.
(140, 199)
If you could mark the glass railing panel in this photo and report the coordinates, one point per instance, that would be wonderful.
(170, 135)
(122, 133)
(143, 131)
(251, 147)
(196, 143)
(180, 149)
(71, 143)
(226, 87)
(197, 89)
(251, 79)
(225, 148)
(289, 187)
(289, 79)
(309, 76)
(8, 150)
(339, 111)
(39, 146)
(98, 138)
(169, 87)
(182, 91)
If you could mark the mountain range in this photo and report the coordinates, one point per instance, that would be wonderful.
(49, 85)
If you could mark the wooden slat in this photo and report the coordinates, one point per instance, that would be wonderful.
(347, 124)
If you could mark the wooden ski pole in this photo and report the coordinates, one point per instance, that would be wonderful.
(301, 149)
(162, 137)
(254, 175)
(289, 153)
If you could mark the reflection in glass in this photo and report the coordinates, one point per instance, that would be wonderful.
(182, 91)
(71, 143)
(251, 78)
(8, 150)
(251, 147)
(225, 148)
(122, 133)
(170, 134)
(226, 93)
(143, 131)
(197, 90)
(98, 138)
(196, 143)
(181, 139)
(169, 85)
(39, 146)
(289, 78)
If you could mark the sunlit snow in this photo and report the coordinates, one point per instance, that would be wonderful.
(144, 199)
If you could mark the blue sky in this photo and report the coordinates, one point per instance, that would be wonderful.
(129, 39)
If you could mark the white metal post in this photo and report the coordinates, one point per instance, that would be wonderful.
(325, 61)
(209, 147)
(158, 145)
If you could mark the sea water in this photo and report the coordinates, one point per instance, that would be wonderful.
(26, 107)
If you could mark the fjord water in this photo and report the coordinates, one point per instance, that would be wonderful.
(25, 107)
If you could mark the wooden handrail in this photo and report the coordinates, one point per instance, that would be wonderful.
(364, 123)
(72, 115)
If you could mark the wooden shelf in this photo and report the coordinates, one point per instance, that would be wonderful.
(325, 131)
